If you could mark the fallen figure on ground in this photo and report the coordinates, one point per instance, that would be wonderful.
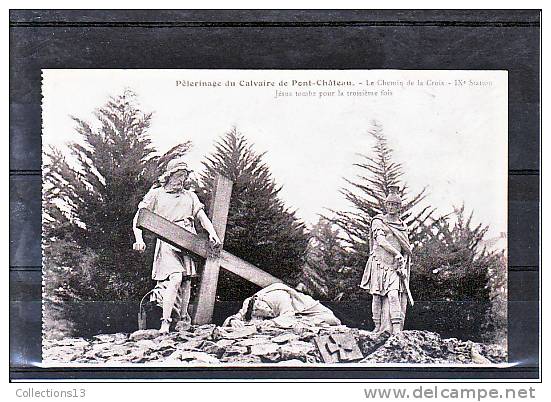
(281, 305)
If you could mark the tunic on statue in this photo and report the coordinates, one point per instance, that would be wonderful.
(181, 208)
(381, 271)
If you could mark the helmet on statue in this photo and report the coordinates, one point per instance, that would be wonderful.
(393, 195)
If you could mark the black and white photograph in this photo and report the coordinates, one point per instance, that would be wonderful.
(274, 217)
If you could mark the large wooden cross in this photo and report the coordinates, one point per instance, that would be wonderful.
(199, 245)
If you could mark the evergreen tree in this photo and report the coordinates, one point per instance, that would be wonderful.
(325, 275)
(459, 281)
(450, 264)
(495, 326)
(378, 172)
(90, 197)
(260, 229)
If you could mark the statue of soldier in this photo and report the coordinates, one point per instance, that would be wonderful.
(387, 272)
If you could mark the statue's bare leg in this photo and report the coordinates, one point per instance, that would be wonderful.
(169, 298)
(376, 307)
(396, 316)
(185, 319)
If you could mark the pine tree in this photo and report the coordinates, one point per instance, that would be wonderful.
(450, 265)
(459, 281)
(325, 275)
(378, 172)
(90, 197)
(495, 326)
(260, 228)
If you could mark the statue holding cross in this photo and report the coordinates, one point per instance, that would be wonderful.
(169, 212)
(172, 269)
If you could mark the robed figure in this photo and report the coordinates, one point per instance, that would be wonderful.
(282, 306)
(387, 272)
(172, 268)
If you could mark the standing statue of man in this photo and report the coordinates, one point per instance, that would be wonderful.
(172, 269)
(386, 274)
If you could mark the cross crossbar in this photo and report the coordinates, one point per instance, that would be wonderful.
(199, 245)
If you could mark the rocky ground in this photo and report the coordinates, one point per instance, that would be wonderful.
(208, 344)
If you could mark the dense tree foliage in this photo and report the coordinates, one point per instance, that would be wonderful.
(260, 228)
(325, 274)
(378, 172)
(90, 195)
(450, 263)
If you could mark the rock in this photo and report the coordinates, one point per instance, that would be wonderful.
(335, 329)
(456, 350)
(198, 357)
(307, 336)
(236, 350)
(212, 348)
(114, 351)
(174, 356)
(233, 333)
(298, 350)
(100, 346)
(113, 338)
(305, 332)
(164, 353)
(403, 347)
(136, 356)
(74, 342)
(427, 347)
(284, 338)
(180, 336)
(90, 355)
(272, 331)
(202, 331)
(153, 357)
(62, 353)
(223, 343)
(96, 350)
(494, 353)
(263, 348)
(190, 345)
(241, 359)
(167, 343)
(371, 341)
(147, 344)
(257, 340)
(210, 345)
(477, 358)
(144, 334)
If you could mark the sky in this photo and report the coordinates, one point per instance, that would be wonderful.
(447, 128)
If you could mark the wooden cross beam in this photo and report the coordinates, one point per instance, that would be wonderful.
(199, 245)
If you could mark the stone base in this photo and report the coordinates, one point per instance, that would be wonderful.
(211, 345)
